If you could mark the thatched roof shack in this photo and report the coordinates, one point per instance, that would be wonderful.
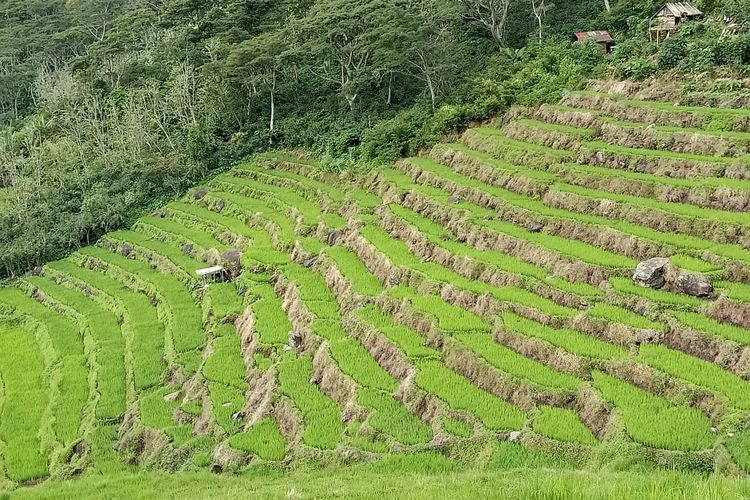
(603, 38)
(672, 14)
(669, 18)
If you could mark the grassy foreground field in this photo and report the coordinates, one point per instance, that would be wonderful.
(472, 306)
(521, 483)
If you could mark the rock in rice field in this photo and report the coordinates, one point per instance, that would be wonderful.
(650, 273)
(697, 285)
(535, 227)
(515, 436)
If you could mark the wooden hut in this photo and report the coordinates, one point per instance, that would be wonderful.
(603, 38)
(670, 17)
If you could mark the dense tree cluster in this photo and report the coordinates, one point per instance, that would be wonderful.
(110, 107)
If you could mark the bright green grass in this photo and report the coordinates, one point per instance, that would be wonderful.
(569, 340)
(409, 341)
(322, 417)
(224, 300)
(693, 264)
(702, 323)
(664, 297)
(74, 391)
(169, 253)
(460, 394)
(498, 164)
(501, 140)
(563, 425)
(681, 209)
(225, 364)
(450, 318)
(616, 314)
(313, 291)
(63, 332)
(225, 402)
(181, 231)
(652, 420)
(263, 439)
(456, 427)
(362, 280)
(392, 418)
(365, 199)
(582, 250)
(186, 319)
(157, 413)
(509, 361)
(355, 361)
(286, 197)
(213, 220)
(734, 290)
(105, 458)
(65, 337)
(699, 372)
(106, 334)
(249, 207)
(271, 322)
(334, 192)
(141, 318)
(554, 127)
(24, 400)
(389, 479)
(739, 447)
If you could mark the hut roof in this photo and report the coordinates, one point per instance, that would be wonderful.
(600, 36)
(677, 9)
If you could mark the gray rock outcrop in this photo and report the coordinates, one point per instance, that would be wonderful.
(697, 285)
(650, 273)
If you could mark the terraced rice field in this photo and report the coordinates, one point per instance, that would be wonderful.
(478, 293)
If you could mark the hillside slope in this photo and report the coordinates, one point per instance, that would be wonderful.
(474, 301)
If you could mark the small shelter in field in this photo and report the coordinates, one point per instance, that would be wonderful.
(603, 38)
(670, 17)
(215, 273)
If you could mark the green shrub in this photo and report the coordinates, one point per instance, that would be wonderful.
(636, 69)
(671, 52)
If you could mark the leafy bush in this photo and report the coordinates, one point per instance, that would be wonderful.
(671, 52)
(636, 69)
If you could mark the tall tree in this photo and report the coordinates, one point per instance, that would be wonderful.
(492, 14)
(540, 8)
(343, 36)
(262, 59)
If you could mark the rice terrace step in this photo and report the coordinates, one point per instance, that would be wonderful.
(427, 306)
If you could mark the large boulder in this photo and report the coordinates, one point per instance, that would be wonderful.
(650, 273)
(697, 285)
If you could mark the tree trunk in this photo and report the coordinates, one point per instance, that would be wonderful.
(431, 87)
(606, 5)
(273, 107)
